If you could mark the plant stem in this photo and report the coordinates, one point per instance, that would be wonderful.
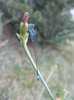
(35, 67)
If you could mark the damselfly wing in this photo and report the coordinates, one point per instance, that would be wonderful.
(35, 45)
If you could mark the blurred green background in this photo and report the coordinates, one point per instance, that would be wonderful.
(54, 25)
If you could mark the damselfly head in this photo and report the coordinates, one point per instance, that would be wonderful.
(31, 26)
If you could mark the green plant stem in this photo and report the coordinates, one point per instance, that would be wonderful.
(35, 67)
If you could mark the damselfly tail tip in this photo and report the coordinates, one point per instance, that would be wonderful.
(37, 77)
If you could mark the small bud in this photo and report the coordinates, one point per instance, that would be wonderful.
(26, 17)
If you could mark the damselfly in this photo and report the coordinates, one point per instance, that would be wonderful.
(35, 45)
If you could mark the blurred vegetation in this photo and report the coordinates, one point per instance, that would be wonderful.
(51, 17)
(54, 24)
(18, 78)
(1, 28)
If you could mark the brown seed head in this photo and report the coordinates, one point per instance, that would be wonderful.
(26, 17)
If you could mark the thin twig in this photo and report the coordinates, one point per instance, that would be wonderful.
(49, 76)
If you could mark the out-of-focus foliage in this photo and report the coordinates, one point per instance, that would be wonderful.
(51, 17)
(54, 20)
(18, 78)
(1, 28)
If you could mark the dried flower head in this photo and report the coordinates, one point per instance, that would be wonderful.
(26, 17)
